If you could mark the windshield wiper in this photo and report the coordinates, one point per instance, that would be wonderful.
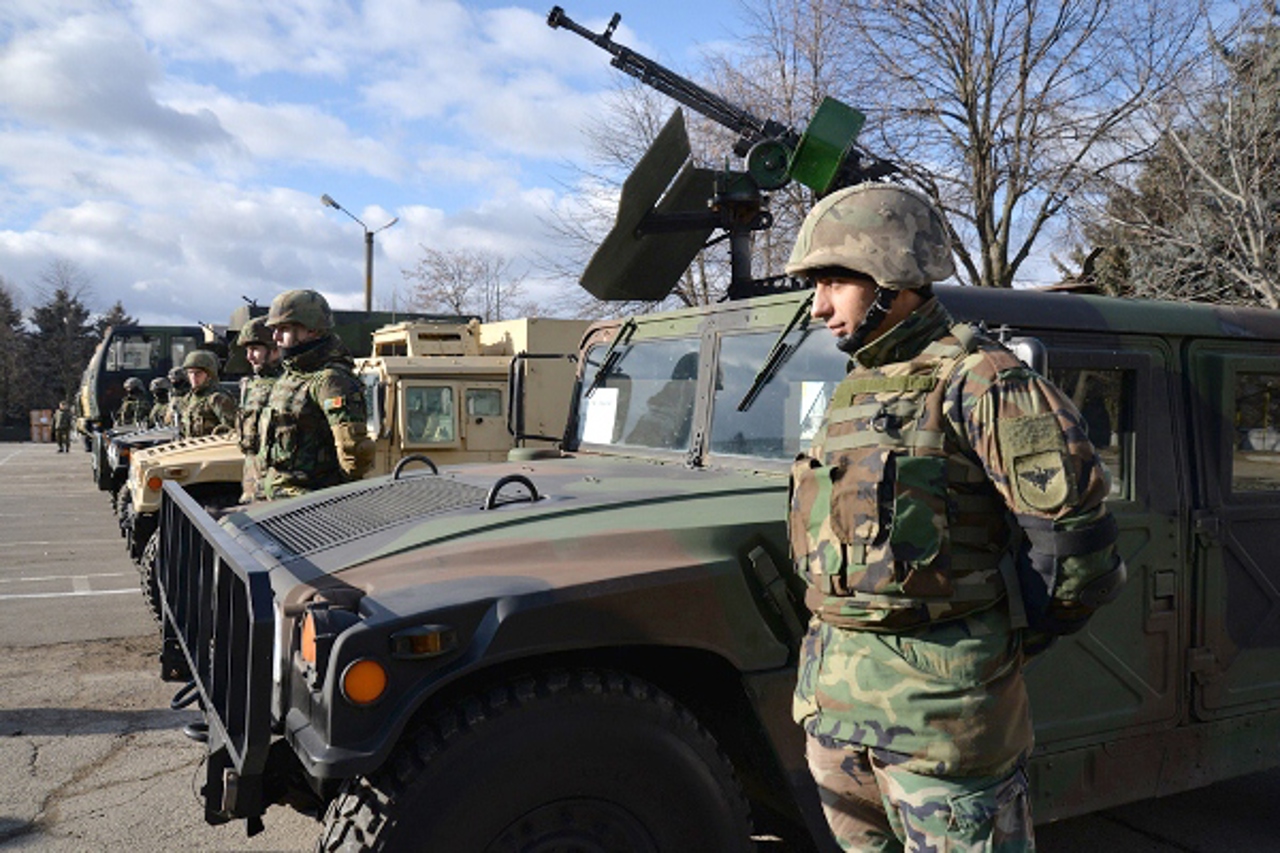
(779, 354)
(612, 354)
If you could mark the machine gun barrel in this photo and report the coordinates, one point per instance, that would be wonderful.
(750, 128)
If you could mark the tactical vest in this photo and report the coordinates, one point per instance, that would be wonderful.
(296, 442)
(199, 415)
(256, 397)
(892, 523)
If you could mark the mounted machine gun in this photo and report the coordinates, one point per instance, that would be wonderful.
(823, 158)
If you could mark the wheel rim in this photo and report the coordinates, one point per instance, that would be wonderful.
(575, 826)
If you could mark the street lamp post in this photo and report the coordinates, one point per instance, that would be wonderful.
(328, 201)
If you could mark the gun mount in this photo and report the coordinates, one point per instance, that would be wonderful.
(823, 158)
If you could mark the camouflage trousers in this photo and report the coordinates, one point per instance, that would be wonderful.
(873, 805)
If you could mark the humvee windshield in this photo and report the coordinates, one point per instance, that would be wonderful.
(647, 398)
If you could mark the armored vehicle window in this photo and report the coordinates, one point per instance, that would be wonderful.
(645, 400)
(789, 408)
(484, 403)
(1105, 399)
(133, 353)
(375, 404)
(1255, 464)
(428, 414)
(180, 346)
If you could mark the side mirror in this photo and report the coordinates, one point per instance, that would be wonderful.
(1031, 352)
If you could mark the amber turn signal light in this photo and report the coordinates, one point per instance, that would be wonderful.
(363, 682)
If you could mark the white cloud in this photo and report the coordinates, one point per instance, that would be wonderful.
(174, 150)
(90, 75)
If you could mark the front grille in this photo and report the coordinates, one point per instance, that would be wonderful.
(218, 616)
(348, 516)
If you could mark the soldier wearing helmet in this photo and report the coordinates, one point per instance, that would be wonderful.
(133, 409)
(949, 521)
(159, 388)
(312, 433)
(207, 409)
(264, 356)
(62, 420)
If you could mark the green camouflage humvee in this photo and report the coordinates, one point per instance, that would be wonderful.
(598, 651)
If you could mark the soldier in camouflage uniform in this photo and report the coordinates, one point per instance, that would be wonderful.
(62, 427)
(160, 408)
(313, 432)
(949, 521)
(134, 409)
(179, 388)
(264, 356)
(207, 409)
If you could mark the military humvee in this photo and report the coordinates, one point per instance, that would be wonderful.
(600, 648)
(440, 392)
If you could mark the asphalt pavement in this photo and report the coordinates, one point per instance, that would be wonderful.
(92, 759)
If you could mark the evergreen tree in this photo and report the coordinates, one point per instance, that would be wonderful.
(61, 346)
(13, 347)
(116, 316)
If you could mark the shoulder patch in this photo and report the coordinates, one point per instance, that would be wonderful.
(331, 403)
(1035, 452)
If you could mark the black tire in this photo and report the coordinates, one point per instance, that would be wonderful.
(124, 511)
(570, 762)
(148, 578)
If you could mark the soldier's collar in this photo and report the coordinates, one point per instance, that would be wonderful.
(907, 339)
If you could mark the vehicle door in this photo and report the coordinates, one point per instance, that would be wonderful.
(484, 417)
(1121, 673)
(1235, 662)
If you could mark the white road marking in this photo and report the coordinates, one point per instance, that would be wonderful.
(10, 456)
(64, 577)
(69, 594)
(81, 544)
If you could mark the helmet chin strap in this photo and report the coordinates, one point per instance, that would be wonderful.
(871, 321)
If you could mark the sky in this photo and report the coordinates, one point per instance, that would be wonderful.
(175, 151)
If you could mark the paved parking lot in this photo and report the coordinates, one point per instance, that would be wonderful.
(91, 758)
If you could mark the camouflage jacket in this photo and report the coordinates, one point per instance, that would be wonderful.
(944, 694)
(205, 409)
(159, 414)
(62, 420)
(177, 401)
(132, 411)
(257, 394)
(317, 391)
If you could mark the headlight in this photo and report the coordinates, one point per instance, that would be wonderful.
(321, 625)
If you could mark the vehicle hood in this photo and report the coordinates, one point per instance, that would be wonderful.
(594, 518)
(190, 450)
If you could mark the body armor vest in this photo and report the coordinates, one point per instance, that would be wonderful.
(893, 524)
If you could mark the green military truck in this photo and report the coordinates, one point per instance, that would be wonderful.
(598, 650)
(439, 392)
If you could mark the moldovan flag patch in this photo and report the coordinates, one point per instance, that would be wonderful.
(333, 403)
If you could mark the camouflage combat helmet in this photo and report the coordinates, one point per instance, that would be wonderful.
(133, 383)
(892, 233)
(307, 308)
(160, 383)
(202, 359)
(256, 331)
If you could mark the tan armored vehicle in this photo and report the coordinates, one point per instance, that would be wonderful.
(469, 393)
(442, 393)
